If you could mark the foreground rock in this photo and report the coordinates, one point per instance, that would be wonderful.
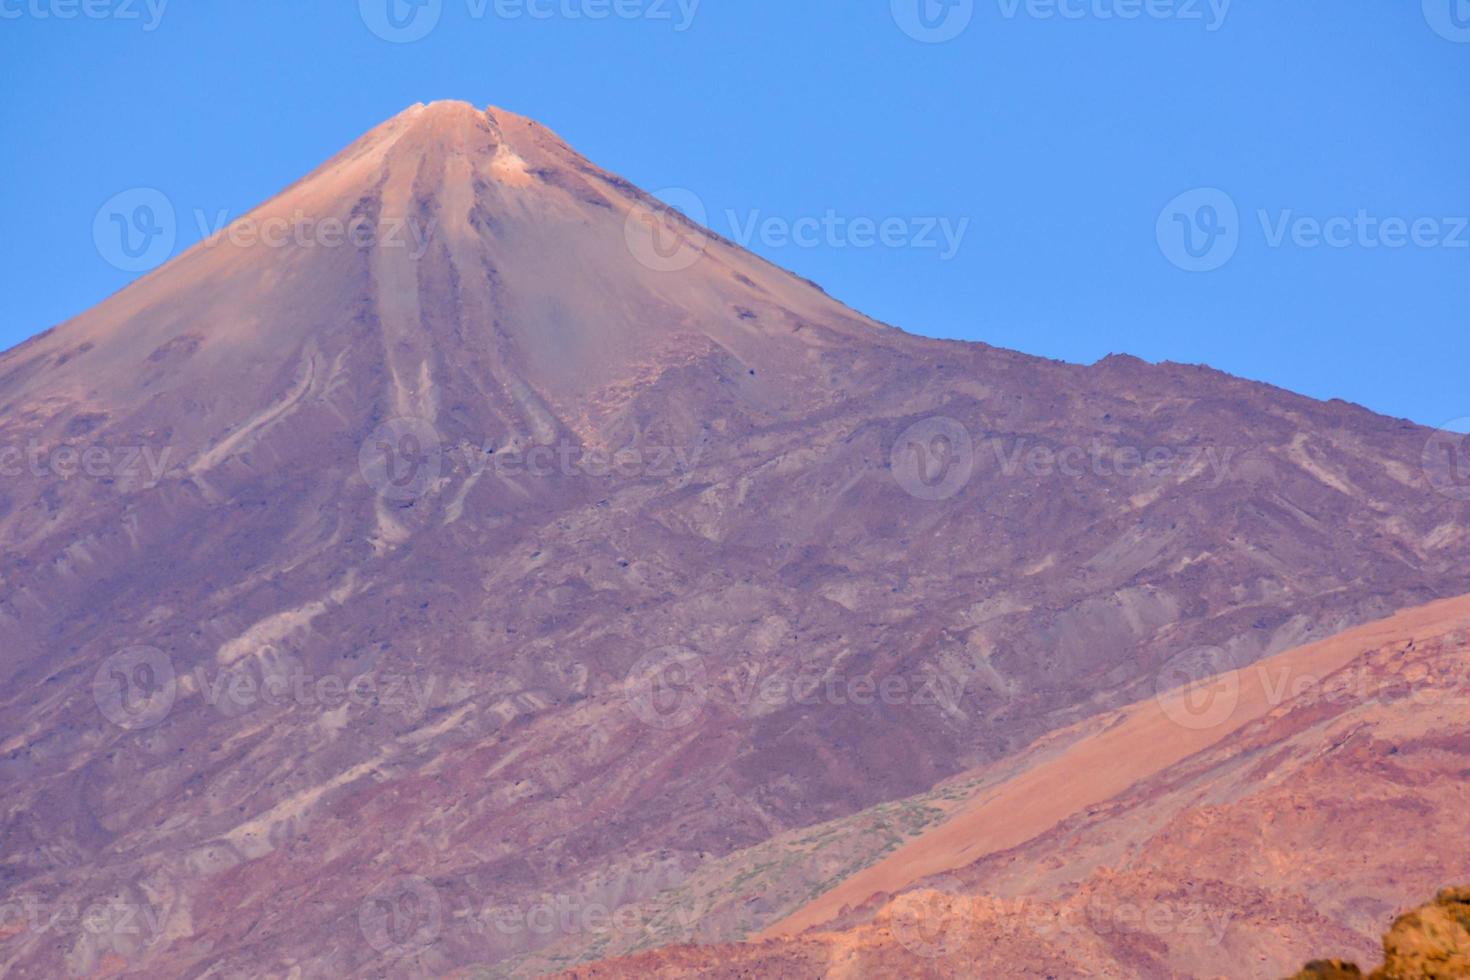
(1429, 943)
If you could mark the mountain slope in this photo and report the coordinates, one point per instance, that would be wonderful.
(625, 540)
(1327, 797)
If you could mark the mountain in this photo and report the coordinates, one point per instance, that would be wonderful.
(1326, 796)
(463, 538)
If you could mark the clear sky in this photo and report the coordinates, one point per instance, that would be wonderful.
(1001, 170)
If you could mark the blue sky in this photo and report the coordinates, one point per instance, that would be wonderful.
(1278, 189)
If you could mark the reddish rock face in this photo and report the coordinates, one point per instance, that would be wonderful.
(1320, 805)
(408, 594)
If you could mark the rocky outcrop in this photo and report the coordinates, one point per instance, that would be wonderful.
(1430, 943)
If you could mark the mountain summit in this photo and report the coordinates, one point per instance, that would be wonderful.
(464, 533)
(447, 229)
